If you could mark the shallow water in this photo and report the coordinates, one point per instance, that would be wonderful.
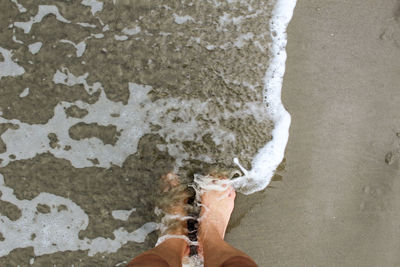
(99, 99)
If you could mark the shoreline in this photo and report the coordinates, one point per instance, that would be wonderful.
(338, 201)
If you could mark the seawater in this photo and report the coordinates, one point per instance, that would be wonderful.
(114, 94)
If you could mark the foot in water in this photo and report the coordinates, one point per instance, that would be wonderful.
(173, 204)
(217, 207)
(172, 245)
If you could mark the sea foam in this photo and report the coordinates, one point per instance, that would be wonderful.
(63, 227)
(271, 155)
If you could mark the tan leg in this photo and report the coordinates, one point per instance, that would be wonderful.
(167, 254)
(218, 253)
(239, 261)
(170, 252)
(213, 222)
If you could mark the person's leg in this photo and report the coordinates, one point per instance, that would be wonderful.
(213, 222)
(171, 251)
(214, 219)
(168, 254)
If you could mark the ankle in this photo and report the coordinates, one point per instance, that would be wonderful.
(209, 232)
(214, 224)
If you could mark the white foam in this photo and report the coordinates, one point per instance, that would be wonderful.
(14, 38)
(122, 215)
(97, 35)
(182, 19)
(164, 33)
(54, 227)
(21, 8)
(43, 11)
(134, 121)
(210, 47)
(259, 46)
(57, 230)
(95, 6)
(224, 20)
(101, 244)
(227, 19)
(8, 67)
(25, 92)
(35, 47)
(162, 239)
(194, 261)
(120, 37)
(131, 31)
(67, 78)
(80, 47)
(86, 25)
(243, 39)
(270, 156)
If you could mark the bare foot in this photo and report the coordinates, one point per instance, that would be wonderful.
(216, 212)
(172, 203)
(217, 207)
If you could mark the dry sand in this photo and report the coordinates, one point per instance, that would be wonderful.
(338, 203)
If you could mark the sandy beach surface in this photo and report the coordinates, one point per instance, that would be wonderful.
(98, 99)
(338, 203)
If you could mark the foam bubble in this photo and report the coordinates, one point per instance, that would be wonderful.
(120, 37)
(25, 92)
(43, 11)
(194, 261)
(86, 25)
(21, 8)
(182, 19)
(131, 31)
(35, 47)
(67, 78)
(162, 239)
(80, 47)
(122, 215)
(57, 230)
(95, 6)
(134, 121)
(8, 67)
(270, 156)
(242, 39)
(101, 244)
(14, 38)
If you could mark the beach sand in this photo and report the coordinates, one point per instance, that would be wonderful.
(98, 99)
(335, 199)
(338, 203)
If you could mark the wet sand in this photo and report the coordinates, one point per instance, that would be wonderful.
(98, 99)
(334, 202)
(338, 203)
